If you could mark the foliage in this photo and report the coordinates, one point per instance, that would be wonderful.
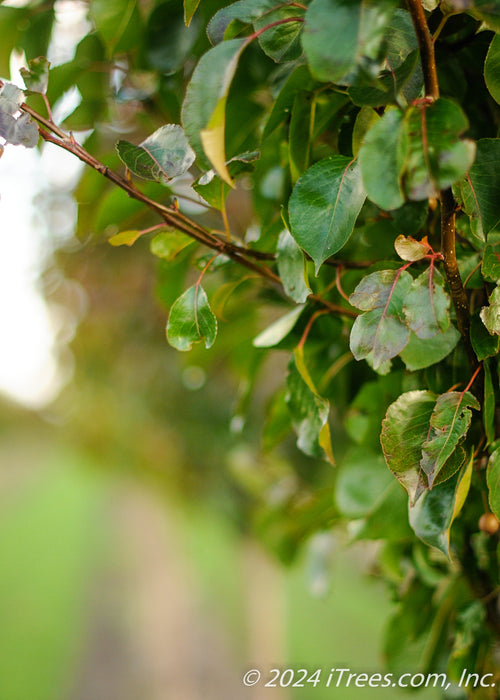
(369, 154)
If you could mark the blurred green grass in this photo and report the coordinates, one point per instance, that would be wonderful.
(56, 534)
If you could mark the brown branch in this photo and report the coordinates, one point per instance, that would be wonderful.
(448, 204)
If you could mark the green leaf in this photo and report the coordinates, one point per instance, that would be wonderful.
(362, 479)
(379, 161)
(282, 42)
(480, 191)
(118, 22)
(291, 268)
(366, 118)
(168, 43)
(36, 77)
(168, 244)
(324, 206)
(163, 155)
(388, 86)
(490, 315)
(125, 238)
(301, 123)
(309, 411)
(426, 305)
(488, 404)
(213, 190)
(191, 320)
(244, 11)
(388, 519)
(432, 156)
(432, 516)
(339, 35)
(419, 354)
(492, 69)
(404, 430)
(493, 479)
(449, 423)
(380, 333)
(411, 217)
(487, 11)
(204, 107)
(278, 330)
(190, 7)
(490, 266)
(299, 80)
(484, 344)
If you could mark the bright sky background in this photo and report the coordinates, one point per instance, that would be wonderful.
(29, 371)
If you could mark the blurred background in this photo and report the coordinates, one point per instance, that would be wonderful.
(150, 548)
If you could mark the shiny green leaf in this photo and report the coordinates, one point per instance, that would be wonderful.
(488, 404)
(492, 69)
(339, 35)
(380, 333)
(426, 307)
(480, 190)
(168, 244)
(419, 354)
(324, 206)
(379, 161)
(432, 156)
(191, 320)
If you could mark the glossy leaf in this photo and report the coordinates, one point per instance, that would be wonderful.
(281, 42)
(162, 156)
(380, 333)
(309, 411)
(484, 344)
(278, 330)
(291, 268)
(432, 516)
(493, 479)
(432, 156)
(480, 190)
(449, 423)
(339, 35)
(404, 430)
(243, 11)
(490, 315)
(190, 7)
(492, 69)
(36, 77)
(204, 107)
(419, 354)
(324, 206)
(426, 307)
(191, 320)
(379, 161)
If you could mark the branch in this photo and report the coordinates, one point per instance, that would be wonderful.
(448, 204)
(243, 256)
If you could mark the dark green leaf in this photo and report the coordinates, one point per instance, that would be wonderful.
(339, 35)
(299, 80)
(36, 78)
(492, 69)
(480, 190)
(244, 11)
(419, 354)
(291, 268)
(162, 156)
(432, 156)
(324, 206)
(301, 122)
(118, 22)
(282, 42)
(411, 217)
(379, 161)
(432, 516)
(426, 305)
(493, 478)
(388, 86)
(487, 11)
(484, 344)
(364, 121)
(191, 320)
(380, 333)
(488, 404)
(204, 107)
(168, 42)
